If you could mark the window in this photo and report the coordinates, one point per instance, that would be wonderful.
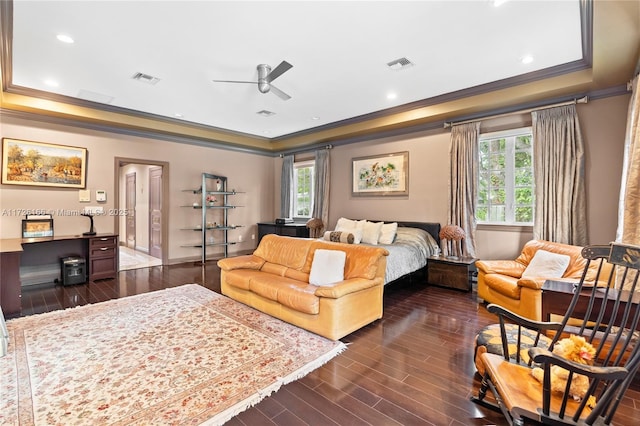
(303, 189)
(505, 181)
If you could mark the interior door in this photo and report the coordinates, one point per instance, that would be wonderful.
(131, 210)
(155, 211)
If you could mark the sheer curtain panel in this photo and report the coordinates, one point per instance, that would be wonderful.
(463, 181)
(286, 186)
(322, 183)
(558, 164)
(629, 206)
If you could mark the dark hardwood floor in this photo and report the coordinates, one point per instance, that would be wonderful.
(413, 367)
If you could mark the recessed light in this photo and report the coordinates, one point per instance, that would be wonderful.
(64, 38)
(527, 59)
(392, 95)
(51, 83)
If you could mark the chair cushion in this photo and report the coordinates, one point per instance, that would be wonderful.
(489, 340)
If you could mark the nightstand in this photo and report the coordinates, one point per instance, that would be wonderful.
(452, 273)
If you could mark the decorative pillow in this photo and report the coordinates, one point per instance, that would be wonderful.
(547, 264)
(339, 237)
(371, 232)
(327, 267)
(354, 227)
(388, 233)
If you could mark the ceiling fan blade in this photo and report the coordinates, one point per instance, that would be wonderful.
(278, 71)
(273, 89)
(234, 81)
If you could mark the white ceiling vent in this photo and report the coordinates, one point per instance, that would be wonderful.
(146, 78)
(266, 113)
(400, 64)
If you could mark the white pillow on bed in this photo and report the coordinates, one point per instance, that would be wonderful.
(354, 227)
(371, 232)
(327, 267)
(388, 233)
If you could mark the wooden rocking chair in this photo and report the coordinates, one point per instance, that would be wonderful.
(607, 316)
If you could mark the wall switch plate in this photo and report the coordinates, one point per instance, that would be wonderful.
(84, 196)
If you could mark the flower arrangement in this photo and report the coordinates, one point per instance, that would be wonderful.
(211, 198)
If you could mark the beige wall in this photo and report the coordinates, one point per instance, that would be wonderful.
(603, 126)
(252, 174)
(602, 121)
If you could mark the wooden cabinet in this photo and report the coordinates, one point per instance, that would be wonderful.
(452, 273)
(10, 285)
(287, 229)
(103, 257)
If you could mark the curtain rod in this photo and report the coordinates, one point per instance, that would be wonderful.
(582, 100)
(306, 150)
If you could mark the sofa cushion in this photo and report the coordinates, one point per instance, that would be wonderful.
(241, 278)
(503, 284)
(327, 267)
(547, 264)
(292, 293)
(287, 251)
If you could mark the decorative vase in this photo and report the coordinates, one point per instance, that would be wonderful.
(218, 185)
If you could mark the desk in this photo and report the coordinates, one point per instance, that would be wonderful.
(557, 295)
(287, 229)
(100, 252)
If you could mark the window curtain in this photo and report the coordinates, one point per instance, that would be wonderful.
(286, 186)
(463, 182)
(322, 183)
(558, 164)
(629, 205)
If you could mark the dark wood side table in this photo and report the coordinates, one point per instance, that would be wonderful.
(287, 229)
(452, 273)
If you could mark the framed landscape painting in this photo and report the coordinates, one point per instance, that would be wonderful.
(43, 164)
(378, 175)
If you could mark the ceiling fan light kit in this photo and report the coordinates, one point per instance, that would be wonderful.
(265, 77)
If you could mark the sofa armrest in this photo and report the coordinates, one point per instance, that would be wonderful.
(249, 261)
(505, 267)
(347, 286)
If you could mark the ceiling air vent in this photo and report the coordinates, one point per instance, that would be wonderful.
(146, 78)
(266, 113)
(400, 64)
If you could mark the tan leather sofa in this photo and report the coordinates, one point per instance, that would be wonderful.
(501, 281)
(275, 280)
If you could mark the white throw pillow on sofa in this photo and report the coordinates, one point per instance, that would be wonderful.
(547, 264)
(327, 267)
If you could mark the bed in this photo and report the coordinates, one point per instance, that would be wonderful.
(414, 242)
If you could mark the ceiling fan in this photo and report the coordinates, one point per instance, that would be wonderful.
(265, 77)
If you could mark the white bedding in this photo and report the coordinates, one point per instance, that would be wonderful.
(409, 252)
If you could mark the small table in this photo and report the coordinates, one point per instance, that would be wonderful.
(557, 295)
(449, 272)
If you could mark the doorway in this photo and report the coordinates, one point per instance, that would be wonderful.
(141, 195)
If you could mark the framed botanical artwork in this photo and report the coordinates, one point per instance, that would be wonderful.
(377, 175)
(43, 164)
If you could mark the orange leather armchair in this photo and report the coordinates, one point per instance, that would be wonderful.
(501, 281)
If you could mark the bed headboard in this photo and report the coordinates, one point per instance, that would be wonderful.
(432, 228)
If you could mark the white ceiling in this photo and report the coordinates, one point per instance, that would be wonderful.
(339, 51)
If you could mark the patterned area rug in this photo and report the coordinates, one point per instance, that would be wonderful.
(184, 355)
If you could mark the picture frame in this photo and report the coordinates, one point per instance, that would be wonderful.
(380, 175)
(37, 228)
(43, 164)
